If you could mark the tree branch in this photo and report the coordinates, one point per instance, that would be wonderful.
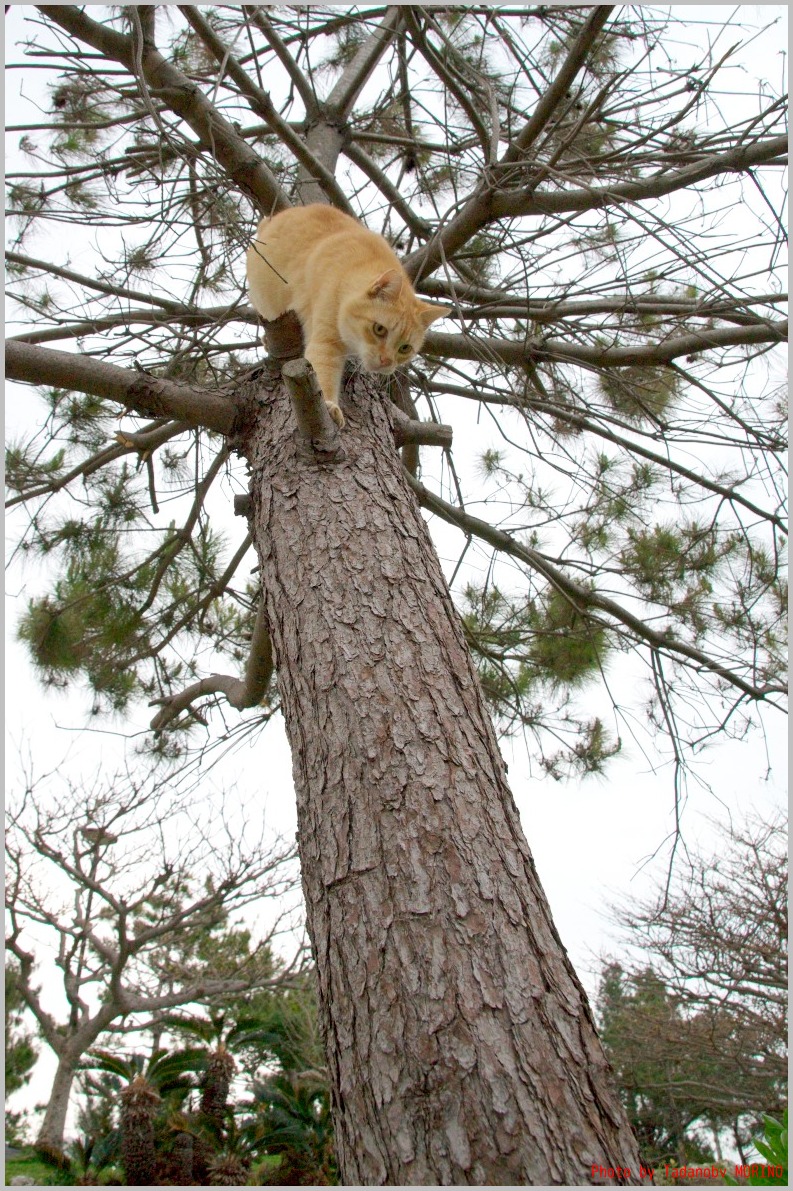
(387, 188)
(582, 598)
(438, 64)
(148, 395)
(46, 1022)
(104, 287)
(183, 97)
(314, 422)
(325, 128)
(301, 84)
(184, 315)
(573, 417)
(354, 77)
(420, 434)
(143, 442)
(241, 693)
(494, 304)
(464, 347)
(528, 201)
(488, 204)
(549, 101)
(133, 1002)
(263, 106)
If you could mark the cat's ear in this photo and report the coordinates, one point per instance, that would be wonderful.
(387, 287)
(428, 314)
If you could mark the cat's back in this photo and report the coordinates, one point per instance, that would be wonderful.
(301, 228)
(304, 252)
(316, 221)
(303, 231)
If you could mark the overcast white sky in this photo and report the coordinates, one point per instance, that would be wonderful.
(593, 841)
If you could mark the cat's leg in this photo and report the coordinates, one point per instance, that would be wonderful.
(327, 360)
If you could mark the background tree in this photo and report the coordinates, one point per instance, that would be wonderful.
(562, 182)
(21, 1051)
(106, 881)
(290, 1104)
(698, 1037)
(178, 1115)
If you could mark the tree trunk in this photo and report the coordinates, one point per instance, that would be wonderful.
(70, 1050)
(50, 1136)
(460, 1043)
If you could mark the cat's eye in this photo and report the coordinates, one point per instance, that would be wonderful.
(404, 348)
(380, 331)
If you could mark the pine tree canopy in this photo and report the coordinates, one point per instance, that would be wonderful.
(597, 193)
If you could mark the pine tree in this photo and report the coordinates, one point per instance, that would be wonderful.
(558, 179)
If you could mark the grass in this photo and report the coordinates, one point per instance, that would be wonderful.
(44, 1174)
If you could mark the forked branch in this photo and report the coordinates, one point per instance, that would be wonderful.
(167, 83)
(241, 693)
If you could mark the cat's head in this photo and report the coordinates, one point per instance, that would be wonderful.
(386, 325)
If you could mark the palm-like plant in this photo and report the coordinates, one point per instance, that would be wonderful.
(218, 1074)
(139, 1103)
(90, 1158)
(162, 1136)
(285, 1031)
(227, 1169)
(217, 1066)
(153, 1091)
(168, 1072)
(291, 1118)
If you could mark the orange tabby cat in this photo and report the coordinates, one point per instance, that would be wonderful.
(348, 289)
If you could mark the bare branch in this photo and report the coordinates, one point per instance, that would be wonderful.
(301, 84)
(356, 74)
(390, 192)
(311, 410)
(509, 204)
(142, 442)
(463, 347)
(173, 88)
(448, 79)
(103, 287)
(581, 421)
(489, 205)
(148, 395)
(240, 693)
(263, 106)
(421, 434)
(549, 101)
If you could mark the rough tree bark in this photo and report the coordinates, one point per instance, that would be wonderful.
(461, 1045)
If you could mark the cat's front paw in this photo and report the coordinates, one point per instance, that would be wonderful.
(335, 413)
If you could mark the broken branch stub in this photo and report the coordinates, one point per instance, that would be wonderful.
(426, 434)
(314, 422)
(283, 337)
